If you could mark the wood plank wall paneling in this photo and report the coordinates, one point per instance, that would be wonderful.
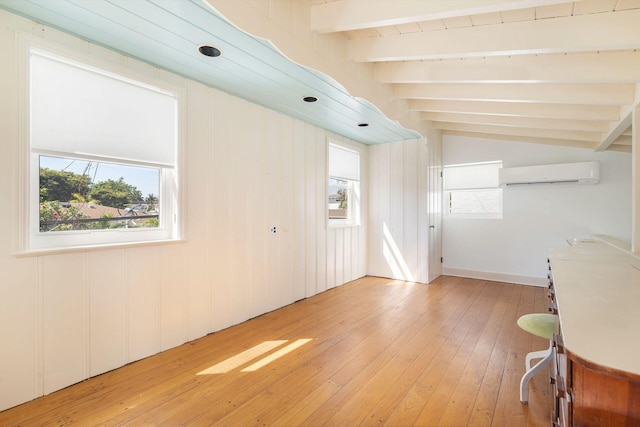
(202, 314)
(107, 299)
(69, 316)
(635, 176)
(399, 241)
(64, 320)
(143, 302)
(433, 158)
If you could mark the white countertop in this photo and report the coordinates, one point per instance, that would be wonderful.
(598, 295)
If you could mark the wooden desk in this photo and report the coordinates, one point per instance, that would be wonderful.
(596, 288)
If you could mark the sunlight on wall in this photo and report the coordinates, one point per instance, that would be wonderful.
(248, 355)
(394, 258)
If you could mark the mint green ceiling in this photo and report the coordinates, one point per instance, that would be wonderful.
(167, 33)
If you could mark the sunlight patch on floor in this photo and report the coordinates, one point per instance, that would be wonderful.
(253, 353)
(278, 354)
(242, 358)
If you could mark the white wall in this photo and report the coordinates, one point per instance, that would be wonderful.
(402, 195)
(68, 316)
(535, 217)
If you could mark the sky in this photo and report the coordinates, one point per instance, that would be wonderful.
(147, 180)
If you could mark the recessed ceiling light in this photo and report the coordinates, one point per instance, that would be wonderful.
(309, 99)
(363, 125)
(208, 50)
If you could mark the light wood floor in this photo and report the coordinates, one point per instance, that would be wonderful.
(379, 352)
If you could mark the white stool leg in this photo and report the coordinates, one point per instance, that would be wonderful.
(547, 357)
(534, 355)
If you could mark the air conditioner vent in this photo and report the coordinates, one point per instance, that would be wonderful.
(577, 173)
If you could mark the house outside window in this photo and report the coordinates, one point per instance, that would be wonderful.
(343, 186)
(103, 166)
(472, 190)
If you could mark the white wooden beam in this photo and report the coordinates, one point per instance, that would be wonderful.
(519, 109)
(622, 126)
(349, 15)
(589, 137)
(570, 93)
(525, 122)
(529, 139)
(617, 129)
(623, 140)
(591, 67)
(583, 33)
(620, 148)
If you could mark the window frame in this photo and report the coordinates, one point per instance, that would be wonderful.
(31, 240)
(474, 215)
(352, 187)
(485, 187)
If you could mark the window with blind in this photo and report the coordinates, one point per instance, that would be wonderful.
(472, 190)
(103, 156)
(344, 186)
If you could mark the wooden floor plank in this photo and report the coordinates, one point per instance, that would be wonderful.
(379, 352)
(410, 408)
(462, 401)
(435, 409)
(485, 404)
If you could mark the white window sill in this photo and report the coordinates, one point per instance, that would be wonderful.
(91, 248)
(343, 225)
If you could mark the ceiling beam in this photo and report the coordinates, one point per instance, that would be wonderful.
(622, 140)
(620, 148)
(623, 126)
(525, 122)
(529, 139)
(583, 33)
(591, 67)
(617, 129)
(592, 137)
(570, 93)
(519, 109)
(347, 15)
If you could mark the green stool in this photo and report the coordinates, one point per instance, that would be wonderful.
(543, 325)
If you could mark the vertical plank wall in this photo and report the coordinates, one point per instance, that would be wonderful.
(401, 191)
(68, 316)
(434, 206)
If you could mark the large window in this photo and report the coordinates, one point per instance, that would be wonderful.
(103, 157)
(344, 186)
(472, 190)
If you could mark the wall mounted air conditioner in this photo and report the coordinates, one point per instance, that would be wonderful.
(579, 173)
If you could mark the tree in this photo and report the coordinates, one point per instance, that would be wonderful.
(54, 211)
(151, 200)
(62, 185)
(116, 194)
(342, 198)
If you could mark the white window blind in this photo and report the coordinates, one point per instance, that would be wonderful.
(78, 110)
(471, 176)
(344, 163)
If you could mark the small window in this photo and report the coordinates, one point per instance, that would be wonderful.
(472, 191)
(344, 186)
(103, 157)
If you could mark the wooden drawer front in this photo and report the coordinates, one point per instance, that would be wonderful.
(602, 400)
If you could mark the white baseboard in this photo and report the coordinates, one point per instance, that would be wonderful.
(496, 277)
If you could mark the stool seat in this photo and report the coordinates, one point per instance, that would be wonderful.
(542, 325)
